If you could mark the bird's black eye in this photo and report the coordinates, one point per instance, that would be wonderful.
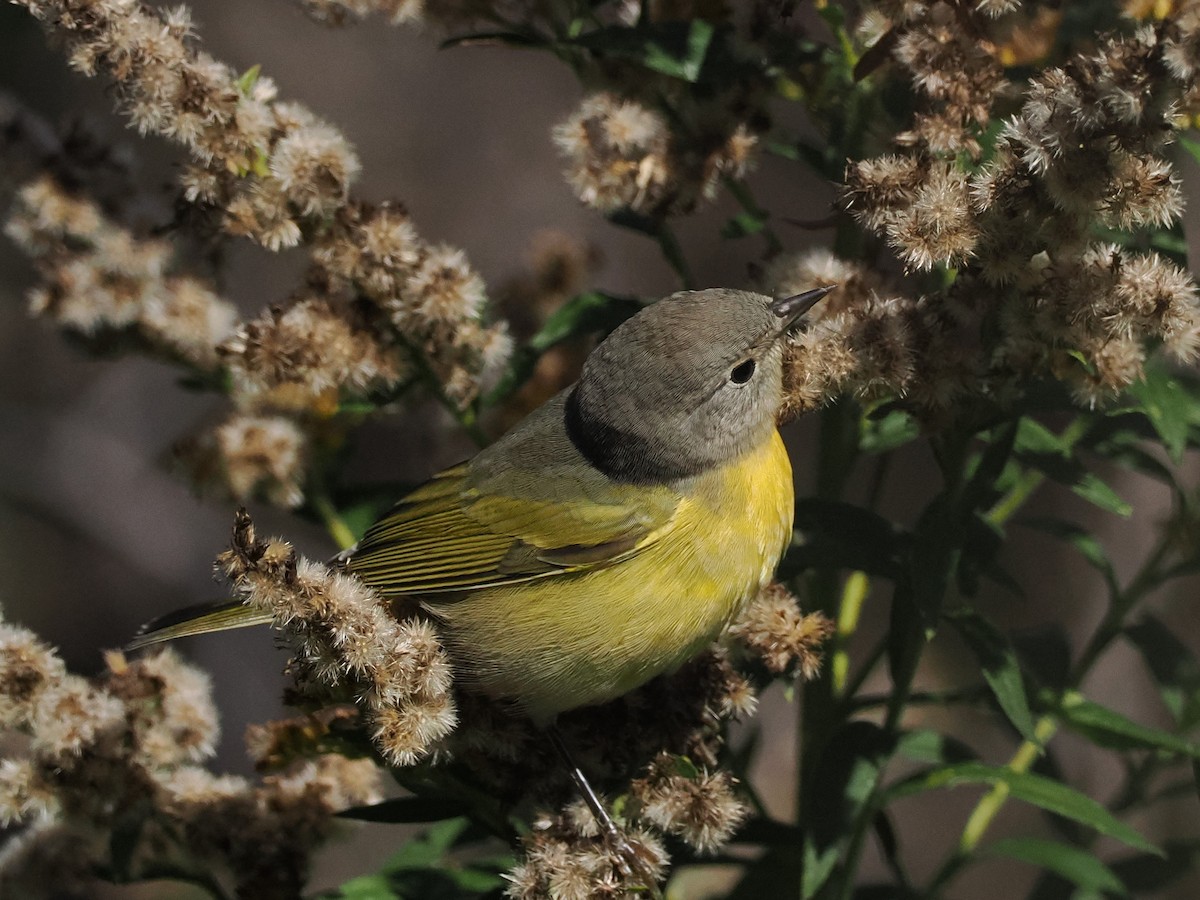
(742, 372)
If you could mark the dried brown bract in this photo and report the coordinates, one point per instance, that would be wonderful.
(347, 637)
(774, 629)
(120, 753)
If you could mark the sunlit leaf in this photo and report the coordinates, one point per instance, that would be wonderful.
(1168, 407)
(1047, 794)
(1109, 728)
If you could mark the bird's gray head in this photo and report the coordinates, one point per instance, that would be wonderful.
(688, 383)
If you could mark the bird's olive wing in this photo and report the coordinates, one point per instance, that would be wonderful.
(460, 532)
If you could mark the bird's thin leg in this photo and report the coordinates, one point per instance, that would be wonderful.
(612, 833)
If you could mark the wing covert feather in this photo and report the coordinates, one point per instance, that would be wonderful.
(527, 507)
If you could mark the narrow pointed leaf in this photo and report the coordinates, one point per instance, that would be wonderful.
(1072, 863)
(1044, 793)
(1109, 728)
(1001, 670)
(1175, 668)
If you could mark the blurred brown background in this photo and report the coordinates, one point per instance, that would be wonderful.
(96, 536)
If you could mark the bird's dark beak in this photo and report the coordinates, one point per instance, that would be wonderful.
(791, 309)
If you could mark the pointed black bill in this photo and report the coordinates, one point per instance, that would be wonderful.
(792, 308)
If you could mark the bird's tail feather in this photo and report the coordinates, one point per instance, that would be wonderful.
(201, 619)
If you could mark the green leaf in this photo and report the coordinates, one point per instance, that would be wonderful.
(1175, 668)
(1073, 863)
(1149, 873)
(888, 430)
(1192, 147)
(743, 225)
(842, 785)
(1168, 406)
(832, 534)
(1041, 449)
(427, 850)
(676, 49)
(685, 767)
(1001, 670)
(585, 313)
(406, 809)
(249, 78)
(1109, 728)
(928, 746)
(1044, 793)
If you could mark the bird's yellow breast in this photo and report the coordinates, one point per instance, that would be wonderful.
(577, 639)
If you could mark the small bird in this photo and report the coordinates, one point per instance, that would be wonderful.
(613, 533)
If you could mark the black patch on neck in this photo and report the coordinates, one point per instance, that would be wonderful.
(619, 454)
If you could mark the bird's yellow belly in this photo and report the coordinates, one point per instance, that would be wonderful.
(579, 639)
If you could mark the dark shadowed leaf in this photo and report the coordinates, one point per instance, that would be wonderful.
(845, 778)
(928, 746)
(1175, 668)
(677, 49)
(1001, 671)
(406, 809)
(836, 535)
(587, 313)
(1045, 654)
(1086, 543)
(1149, 873)
(1073, 863)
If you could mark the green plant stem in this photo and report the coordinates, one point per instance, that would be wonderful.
(991, 803)
(1109, 629)
(819, 716)
(673, 251)
(878, 652)
(1030, 480)
(855, 591)
(1148, 577)
(951, 454)
(334, 524)
(741, 192)
(1007, 506)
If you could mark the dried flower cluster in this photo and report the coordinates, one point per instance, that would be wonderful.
(867, 339)
(621, 155)
(375, 294)
(98, 278)
(272, 167)
(349, 640)
(566, 858)
(1035, 295)
(121, 755)
(787, 640)
(670, 731)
